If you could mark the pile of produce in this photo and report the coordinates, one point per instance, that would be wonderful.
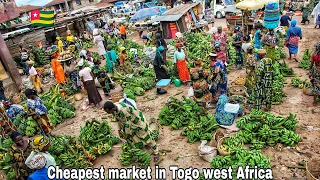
(39, 56)
(305, 62)
(97, 138)
(262, 128)
(138, 83)
(65, 55)
(60, 109)
(277, 84)
(86, 45)
(187, 114)
(26, 126)
(279, 53)
(199, 46)
(80, 152)
(285, 70)
(132, 155)
(6, 159)
(232, 52)
(297, 82)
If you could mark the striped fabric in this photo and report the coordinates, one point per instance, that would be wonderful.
(42, 18)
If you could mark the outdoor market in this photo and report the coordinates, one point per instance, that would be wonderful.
(161, 84)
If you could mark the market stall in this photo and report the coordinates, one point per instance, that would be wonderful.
(182, 19)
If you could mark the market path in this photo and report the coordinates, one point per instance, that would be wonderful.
(185, 155)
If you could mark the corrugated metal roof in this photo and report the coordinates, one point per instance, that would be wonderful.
(28, 8)
(175, 13)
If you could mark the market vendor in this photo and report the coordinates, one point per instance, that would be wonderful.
(60, 44)
(35, 78)
(200, 78)
(285, 20)
(38, 163)
(12, 110)
(102, 77)
(227, 112)
(251, 64)
(112, 58)
(258, 37)
(221, 55)
(57, 69)
(237, 43)
(40, 146)
(263, 81)
(270, 41)
(19, 152)
(87, 79)
(161, 42)
(305, 12)
(294, 34)
(38, 110)
(125, 64)
(220, 37)
(72, 74)
(133, 126)
(180, 61)
(98, 41)
(219, 77)
(70, 38)
(314, 74)
(180, 38)
(158, 64)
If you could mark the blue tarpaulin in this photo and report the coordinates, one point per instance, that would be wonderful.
(144, 13)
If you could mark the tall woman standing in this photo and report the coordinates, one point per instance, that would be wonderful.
(294, 34)
(158, 63)
(57, 69)
(179, 58)
(315, 72)
(87, 79)
(98, 41)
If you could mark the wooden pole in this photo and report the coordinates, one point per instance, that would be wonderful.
(8, 62)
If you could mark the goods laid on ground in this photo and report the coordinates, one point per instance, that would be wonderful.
(27, 126)
(79, 152)
(305, 62)
(285, 70)
(262, 128)
(87, 45)
(5, 158)
(297, 82)
(131, 155)
(197, 124)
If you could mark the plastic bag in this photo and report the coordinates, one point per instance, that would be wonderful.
(206, 152)
(128, 101)
(97, 82)
(190, 92)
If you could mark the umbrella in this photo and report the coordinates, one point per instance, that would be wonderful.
(253, 4)
(144, 13)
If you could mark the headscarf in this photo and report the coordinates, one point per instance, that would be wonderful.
(68, 32)
(237, 28)
(80, 63)
(179, 35)
(262, 51)
(293, 23)
(317, 48)
(83, 52)
(95, 32)
(160, 48)
(122, 48)
(219, 27)
(213, 55)
(216, 44)
(40, 142)
(109, 48)
(58, 38)
(198, 61)
(38, 162)
(14, 135)
(30, 62)
(158, 36)
(284, 13)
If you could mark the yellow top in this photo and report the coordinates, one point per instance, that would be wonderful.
(70, 38)
(60, 46)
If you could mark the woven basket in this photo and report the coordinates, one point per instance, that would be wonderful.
(238, 90)
(313, 169)
(307, 91)
(116, 96)
(216, 137)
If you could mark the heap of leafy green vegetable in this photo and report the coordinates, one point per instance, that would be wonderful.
(197, 124)
(6, 159)
(262, 128)
(131, 155)
(305, 62)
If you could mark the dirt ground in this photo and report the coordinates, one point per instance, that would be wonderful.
(185, 155)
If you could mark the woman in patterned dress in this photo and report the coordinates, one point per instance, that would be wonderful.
(102, 77)
(200, 78)
(271, 40)
(251, 64)
(226, 112)
(315, 72)
(6, 125)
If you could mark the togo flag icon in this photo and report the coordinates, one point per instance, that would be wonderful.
(42, 18)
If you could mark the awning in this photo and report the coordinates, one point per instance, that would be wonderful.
(175, 13)
(253, 4)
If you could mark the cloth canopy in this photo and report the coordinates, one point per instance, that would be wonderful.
(253, 4)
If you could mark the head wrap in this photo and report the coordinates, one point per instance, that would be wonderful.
(95, 32)
(80, 63)
(83, 52)
(213, 55)
(317, 48)
(284, 13)
(40, 142)
(178, 45)
(30, 62)
(38, 162)
(122, 48)
(160, 48)
(158, 35)
(198, 61)
(216, 44)
(109, 48)
(262, 51)
(179, 35)
(58, 38)
(219, 28)
(14, 135)
(293, 23)
(69, 32)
